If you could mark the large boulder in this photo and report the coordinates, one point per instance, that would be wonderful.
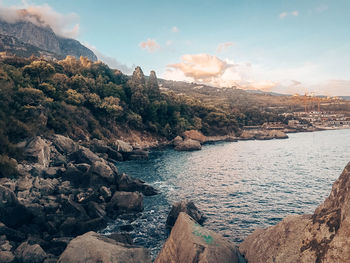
(64, 144)
(84, 155)
(38, 150)
(188, 145)
(321, 237)
(92, 247)
(12, 213)
(126, 202)
(187, 207)
(27, 253)
(189, 242)
(101, 171)
(194, 135)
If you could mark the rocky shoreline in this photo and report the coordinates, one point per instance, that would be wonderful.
(66, 192)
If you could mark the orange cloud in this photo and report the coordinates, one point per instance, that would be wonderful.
(150, 45)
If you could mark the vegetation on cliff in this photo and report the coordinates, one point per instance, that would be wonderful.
(86, 100)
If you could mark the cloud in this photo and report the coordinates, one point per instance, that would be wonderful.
(224, 46)
(150, 45)
(66, 25)
(174, 29)
(285, 14)
(201, 66)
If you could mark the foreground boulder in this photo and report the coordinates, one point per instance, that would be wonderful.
(187, 207)
(189, 242)
(321, 237)
(92, 247)
(188, 145)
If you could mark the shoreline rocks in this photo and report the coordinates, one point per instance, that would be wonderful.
(63, 190)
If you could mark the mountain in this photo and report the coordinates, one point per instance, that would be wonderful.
(22, 37)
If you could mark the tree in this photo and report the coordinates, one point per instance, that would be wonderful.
(40, 70)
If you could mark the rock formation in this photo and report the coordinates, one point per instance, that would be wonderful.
(190, 242)
(321, 237)
(43, 39)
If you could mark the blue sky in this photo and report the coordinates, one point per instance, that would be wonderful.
(285, 46)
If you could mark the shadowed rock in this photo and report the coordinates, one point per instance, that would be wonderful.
(187, 207)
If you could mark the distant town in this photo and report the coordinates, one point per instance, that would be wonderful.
(306, 121)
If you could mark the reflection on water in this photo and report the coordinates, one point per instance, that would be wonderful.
(240, 186)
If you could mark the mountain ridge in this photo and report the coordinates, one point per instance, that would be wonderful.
(43, 38)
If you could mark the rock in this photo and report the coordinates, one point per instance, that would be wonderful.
(189, 242)
(247, 135)
(100, 172)
(7, 257)
(187, 207)
(277, 134)
(53, 172)
(24, 183)
(11, 234)
(126, 202)
(122, 146)
(12, 213)
(188, 145)
(45, 186)
(95, 210)
(129, 184)
(114, 155)
(121, 238)
(92, 247)
(280, 243)
(84, 155)
(64, 144)
(177, 140)
(38, 150)
(26, 253)
(137, 155)
(106, 192)
(321, 237)
(194, 135)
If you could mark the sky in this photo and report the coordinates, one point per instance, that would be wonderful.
(286, 46)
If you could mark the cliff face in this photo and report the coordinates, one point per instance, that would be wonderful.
(321, 237)
(45, 39)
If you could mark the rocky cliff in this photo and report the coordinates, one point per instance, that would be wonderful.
(321, 237)
(43, 38)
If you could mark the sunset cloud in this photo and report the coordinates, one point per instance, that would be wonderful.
(224, 46)
(66, 25)
(150, 45)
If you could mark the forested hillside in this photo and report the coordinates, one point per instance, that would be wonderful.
(86, 100)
